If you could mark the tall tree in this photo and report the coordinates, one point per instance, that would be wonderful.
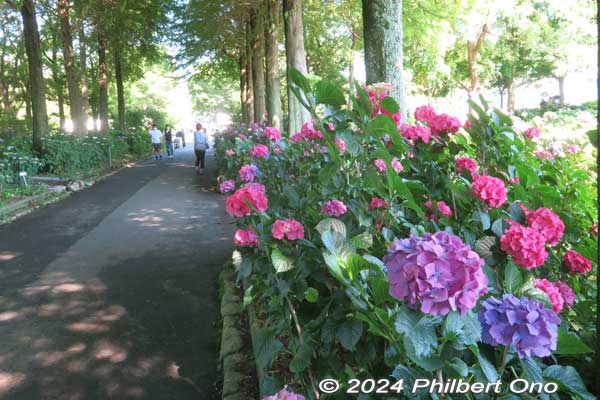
(120, 87)
(272, 62)
(85, 85)
(36, 77)
(295, 58)
(382, 26)
(102, 83)
(78, 114)
(258, 62)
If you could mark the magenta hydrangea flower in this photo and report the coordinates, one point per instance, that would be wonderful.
(260, 150)
(525, 245)
(380, 165)
(290, 228)
(424, 113)
(415, 132)
(396, 165)
(227, 186)
(525, 323)
(547, 223)
(566, 292)
(248, 172)
(246, 238)
(444, 124)
(334, 208)
(532, 133)
(465, 163)
(553, 293)
(229, 152)
(272, 134)
(436, 272)
(285, 394)
(341, 145)
(490, 190)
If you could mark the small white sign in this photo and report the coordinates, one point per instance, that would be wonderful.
(22, 173)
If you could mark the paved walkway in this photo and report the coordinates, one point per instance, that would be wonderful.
(111, 293)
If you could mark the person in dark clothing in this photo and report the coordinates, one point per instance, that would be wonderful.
(169, 141)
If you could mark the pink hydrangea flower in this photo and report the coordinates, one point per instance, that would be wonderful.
(566, 292)
(543, 155)
(525, 245)
(444, 209)
(552, 292)
(334, 208)
(424, 113)
(571, 148)
(467, 125)
(272, 134)
(308, 131)
(444, 124)
(437, 272)
(396, 165)
(376, 203)
(341, 145)
(466, 163)
(490, 190)
(260, 150)
(236, 206)
(227, 186)
(248, 172)
(245, 238)
(285, 394)
(547, 223)
(415, 132)
(242, 136)
(576, 263)
(380, 164)
(532, 133)
(229, 152)
(289, 228)
(278, 149)
(331, 126)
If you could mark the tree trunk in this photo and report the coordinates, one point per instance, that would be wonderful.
(103, 84)
(561, 90)
(120, 89)
(4, 84)
(501, 98)
(243, 86)
(85, 92)
(272, 63)
(473, 49)
(353, 41)
(249, 76)
(258, 66)
(77, 111)
(36, 77)
(58, 87)
(511, 96)
(382, 32)
(295, 58)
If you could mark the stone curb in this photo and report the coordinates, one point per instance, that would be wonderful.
(233, 358)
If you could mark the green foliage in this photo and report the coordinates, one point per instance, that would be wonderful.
(326, 297)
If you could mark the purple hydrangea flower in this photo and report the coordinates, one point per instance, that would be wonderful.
(334, 208)
(525, 323)
(248, 172)
(437, 271)
(284, 394)
(227, 186)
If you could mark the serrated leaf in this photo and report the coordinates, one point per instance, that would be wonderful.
(329, 93)
(266, 347)
(532, 371)
(427, 363)
(459, 366)
(423, 337)
(299, 79)
(281, 262)
(362, 241)
(484, 246)
(488, 368)
(348, 333)
(570, 343)
(331, 224)
(301, 360)
(513, 277)
(390, 105)
(568, 379)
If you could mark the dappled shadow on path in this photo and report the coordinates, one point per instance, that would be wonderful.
(133, 334)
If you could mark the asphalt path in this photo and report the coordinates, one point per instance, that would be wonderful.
(112, 292)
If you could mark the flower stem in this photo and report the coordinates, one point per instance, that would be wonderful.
(503, 363)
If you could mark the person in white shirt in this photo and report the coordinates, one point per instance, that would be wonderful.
(157, 137)
(200, 147)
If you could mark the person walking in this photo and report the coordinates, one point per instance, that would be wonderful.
(157, 137)
(200, 147)
(169, 141)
